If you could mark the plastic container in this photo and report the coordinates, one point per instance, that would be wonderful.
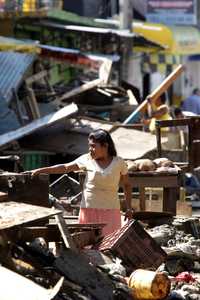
(149, 285)
(35, 159)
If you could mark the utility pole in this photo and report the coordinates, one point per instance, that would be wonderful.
(126, 14)
(197, 13)
(113, 7)
(126, 20)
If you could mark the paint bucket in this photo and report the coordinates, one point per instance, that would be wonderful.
(149, 285)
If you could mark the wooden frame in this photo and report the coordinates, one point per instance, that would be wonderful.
(193, 125)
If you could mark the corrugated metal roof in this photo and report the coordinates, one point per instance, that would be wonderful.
(45, 121)
(13, 66)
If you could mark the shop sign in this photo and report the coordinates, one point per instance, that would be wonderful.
(172, 12)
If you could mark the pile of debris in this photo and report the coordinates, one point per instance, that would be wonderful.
(50, 256)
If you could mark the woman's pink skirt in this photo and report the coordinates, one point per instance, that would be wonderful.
(111, 217)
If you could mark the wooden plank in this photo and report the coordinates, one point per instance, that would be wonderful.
(85, 87)
(14, 213)
(166, 83)
(32, 101)
(36, 77)
(66, 236)
(18, 287)
(77, 226)
(68, 241)
(52, 234)
(154, 181)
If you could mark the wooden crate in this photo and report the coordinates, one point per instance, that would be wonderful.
(134, 246)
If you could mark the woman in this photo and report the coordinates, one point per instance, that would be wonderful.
(104, 170)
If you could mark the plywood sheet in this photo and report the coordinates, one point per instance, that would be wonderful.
(14, 213)
(133, 144)
(130, 143)
(17, 287)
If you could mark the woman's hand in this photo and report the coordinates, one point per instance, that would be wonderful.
(31, 172)
(35, 172)
(129, 214)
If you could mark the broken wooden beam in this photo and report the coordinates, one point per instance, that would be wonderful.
(155, 94)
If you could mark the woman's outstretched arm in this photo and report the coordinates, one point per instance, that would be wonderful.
(56, 169)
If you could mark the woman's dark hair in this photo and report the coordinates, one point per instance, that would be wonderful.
(103, 137)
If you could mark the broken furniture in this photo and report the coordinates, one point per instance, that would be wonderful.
(31, 99)
(26, 189)
(21, 244)
(193, 125)
(170, 182)
(23, 189)
(65, 186)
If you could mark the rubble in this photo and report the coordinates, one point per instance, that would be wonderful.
(44, 249)
(67, 260)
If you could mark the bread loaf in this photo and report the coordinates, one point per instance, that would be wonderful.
(144, 165)
(163, 162)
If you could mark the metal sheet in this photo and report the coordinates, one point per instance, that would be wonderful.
(45, 121)
(13, 67)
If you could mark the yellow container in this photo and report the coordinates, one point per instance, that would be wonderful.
(29, 6)
(149, 285)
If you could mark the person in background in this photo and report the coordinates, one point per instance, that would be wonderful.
(103, 172)
(159, 110)
(192, 103)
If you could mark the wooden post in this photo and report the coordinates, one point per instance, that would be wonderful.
(142, 198)
(170, 195)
